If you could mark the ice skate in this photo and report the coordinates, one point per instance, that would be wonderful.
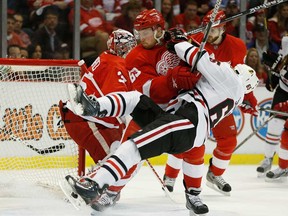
(67, 186)
(264, 167)
(106, 200)
(82, 103)
(277, 175)
(83, 189)
(169, 183)
(195, 204)
(217, 183)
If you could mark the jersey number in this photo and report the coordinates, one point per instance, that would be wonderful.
(220, 110)
(133, 74)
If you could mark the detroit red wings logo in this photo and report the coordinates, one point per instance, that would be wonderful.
(168, 60)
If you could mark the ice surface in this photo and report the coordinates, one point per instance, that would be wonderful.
(143, 196)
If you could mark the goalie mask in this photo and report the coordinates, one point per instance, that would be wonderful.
(248, 76)
(121, 42)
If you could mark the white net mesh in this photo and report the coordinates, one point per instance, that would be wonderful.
(31, 132)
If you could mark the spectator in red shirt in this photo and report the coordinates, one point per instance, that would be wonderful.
(18, 29)
(167, 12)
(258, 19)
(278, 24)
(93, 28)
(12, 37)
(129, 13)
(189, 14)
(232, 27)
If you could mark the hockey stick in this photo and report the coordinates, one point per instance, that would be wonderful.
(164, 188)
(276, 112)
(207, 30)
(254, 132)
(243, 13)
(45, 151)
(83, 66)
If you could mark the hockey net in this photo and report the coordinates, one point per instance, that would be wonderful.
(34, 143)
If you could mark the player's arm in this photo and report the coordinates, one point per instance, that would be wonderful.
(214, 71)
(145, 80)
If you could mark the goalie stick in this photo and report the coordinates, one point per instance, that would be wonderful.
(44, 151)
(243, 13)
(253, 133)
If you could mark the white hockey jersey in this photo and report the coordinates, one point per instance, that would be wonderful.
(219, 90)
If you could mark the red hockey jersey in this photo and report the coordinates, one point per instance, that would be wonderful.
(232, 49)
(147, 70)
(108, 73)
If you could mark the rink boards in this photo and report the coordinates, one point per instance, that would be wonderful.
(37, 105)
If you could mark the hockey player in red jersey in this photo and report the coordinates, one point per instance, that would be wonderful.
(151, 65)
(157, 73)
(226, 48)
(193, 114)
(102, 136)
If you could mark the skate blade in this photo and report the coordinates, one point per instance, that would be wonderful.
(77, 107)
(72, 91)
(192, 213)
(214, 187)
(261, 175)
(71, 195)
(281, 179)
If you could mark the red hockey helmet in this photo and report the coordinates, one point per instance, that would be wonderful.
(120, 42)
(219, 16)
(149, 18)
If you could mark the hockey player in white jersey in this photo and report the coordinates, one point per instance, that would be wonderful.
(185, 124)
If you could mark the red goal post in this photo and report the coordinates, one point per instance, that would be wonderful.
(33, 139)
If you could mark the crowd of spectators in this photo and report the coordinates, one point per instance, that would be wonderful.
(43, 28)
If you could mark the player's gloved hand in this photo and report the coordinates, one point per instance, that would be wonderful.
(249, 104)
(272, 81)
(174, 36)
(181, 77)
(283, 106)
(272, 60)
(247, 108)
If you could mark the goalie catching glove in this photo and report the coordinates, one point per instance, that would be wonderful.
(181, 77)
(83, 104)
(174, 36)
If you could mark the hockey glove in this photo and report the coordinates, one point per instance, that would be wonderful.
(181, 78)
(283, 106)
(272, 60)
(249, 104)
(174, 36)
